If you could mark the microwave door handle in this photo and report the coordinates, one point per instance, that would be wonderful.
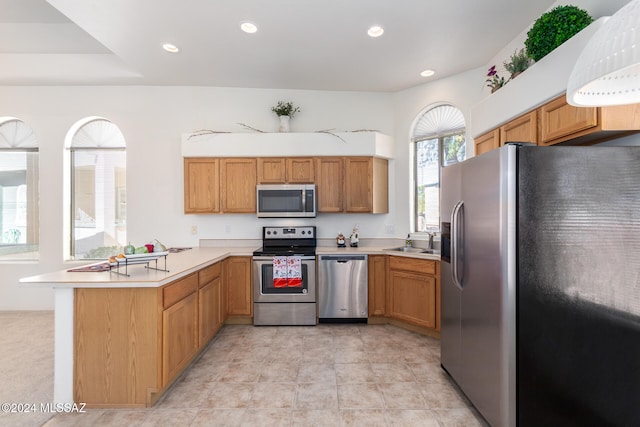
(456, 238)
(304, 200)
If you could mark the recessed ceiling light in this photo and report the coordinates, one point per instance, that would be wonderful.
(170, 48)
(427, 73)
(248, 27)
(375, 31)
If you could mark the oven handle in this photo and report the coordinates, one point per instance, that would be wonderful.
(270, 258)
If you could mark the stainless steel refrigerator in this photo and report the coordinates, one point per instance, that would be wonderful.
(541, 284)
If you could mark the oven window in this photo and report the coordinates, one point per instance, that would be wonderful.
(268, 286)
(280, 201)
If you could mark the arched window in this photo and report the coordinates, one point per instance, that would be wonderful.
(19, 197)
(98, 184)
(438, 139)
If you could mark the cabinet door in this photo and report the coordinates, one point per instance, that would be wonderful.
(412, 297)
(487, 142)
(272, 170)
(239, 286)
(201, 185)
(521, 129)
(560, 121)
(238, 193)
(358, 178)
(210, 310)
(179, 336)
(300, 170)
(377, 285)
(330, 184)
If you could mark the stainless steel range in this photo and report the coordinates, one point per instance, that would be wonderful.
(284, 277)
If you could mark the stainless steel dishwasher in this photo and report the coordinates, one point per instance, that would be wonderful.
(342, 288)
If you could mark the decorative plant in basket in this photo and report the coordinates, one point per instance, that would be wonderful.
(494, 81)
(517, 63)
(553, 28)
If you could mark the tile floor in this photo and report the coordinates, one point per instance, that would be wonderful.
(328, 375)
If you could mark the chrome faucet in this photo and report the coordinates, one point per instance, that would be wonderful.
(431, 235)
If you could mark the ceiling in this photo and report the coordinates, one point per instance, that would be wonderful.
(300, 44)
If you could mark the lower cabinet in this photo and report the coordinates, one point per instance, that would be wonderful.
(209, 308)
(179, 336)
(413, 291)
(131, 343)
(239, 301)
(377, 275)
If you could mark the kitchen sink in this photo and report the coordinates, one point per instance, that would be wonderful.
(411, 249)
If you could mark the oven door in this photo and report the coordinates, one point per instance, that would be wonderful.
(265, 290)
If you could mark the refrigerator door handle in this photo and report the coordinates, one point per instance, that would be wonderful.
(456, 235)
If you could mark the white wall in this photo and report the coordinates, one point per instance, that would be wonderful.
(152, 120)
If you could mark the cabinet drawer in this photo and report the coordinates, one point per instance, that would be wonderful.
(176, 291)
(412, 264)
(207, 274)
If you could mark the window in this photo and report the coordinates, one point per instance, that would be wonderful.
(438, 140)
(98, 189)
(19, 230)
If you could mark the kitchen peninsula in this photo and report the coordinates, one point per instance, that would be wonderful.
(120, 341)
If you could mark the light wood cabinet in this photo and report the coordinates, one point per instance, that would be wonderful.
(344, 184)
(521, 129)
(116, 346)
(330, 184)
(238, 179)
(289, 170)
(561, 122)
(300, 170)
(377, 274)
(366, 185)
(179, 336)
(487, 142)
(209, 303)
(239, 301)
(131, 343)
(557, 121)
(412, 291)
(201, 185)
(272, 170)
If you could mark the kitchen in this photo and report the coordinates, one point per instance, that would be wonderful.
(155, 117)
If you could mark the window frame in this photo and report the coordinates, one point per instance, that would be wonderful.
(440, 134)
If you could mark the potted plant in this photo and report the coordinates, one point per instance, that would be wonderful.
(553, 28)
(517, 63)
(285, 111)
(494, 81)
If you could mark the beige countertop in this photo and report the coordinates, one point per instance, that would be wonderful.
(179, 265)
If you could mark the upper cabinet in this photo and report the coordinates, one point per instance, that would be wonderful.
(201, 185)
(366, 185)
(238, 185)
(487, 142)
(344, 184)
(330, 184)
(561, 122)
(557, 122)
(281, 170)
(521, 129)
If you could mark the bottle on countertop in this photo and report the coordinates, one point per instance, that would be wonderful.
(408, 242)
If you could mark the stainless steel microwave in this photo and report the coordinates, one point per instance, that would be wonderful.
(286, 200)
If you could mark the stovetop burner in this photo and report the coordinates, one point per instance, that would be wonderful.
(283, 241)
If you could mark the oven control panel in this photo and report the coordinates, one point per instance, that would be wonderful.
(304, 232)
